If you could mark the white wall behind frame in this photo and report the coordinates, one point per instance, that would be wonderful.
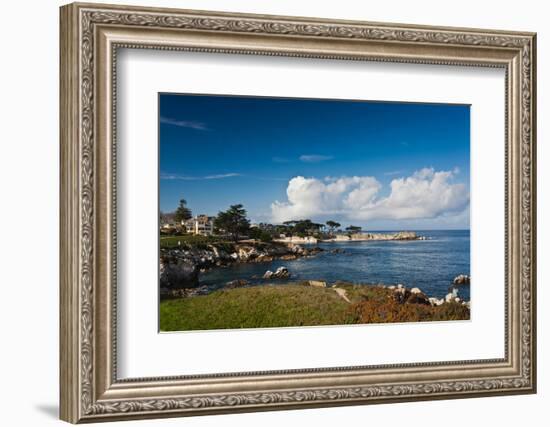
(142, 74)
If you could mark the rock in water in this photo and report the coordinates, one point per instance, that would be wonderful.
(296, 249)
(281, 273)
(461, 279)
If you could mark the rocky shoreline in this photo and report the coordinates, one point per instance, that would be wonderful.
(355, 237)
(399, 293)
(362, 237)
(180, 267)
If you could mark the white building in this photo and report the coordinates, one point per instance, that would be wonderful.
(201, 224)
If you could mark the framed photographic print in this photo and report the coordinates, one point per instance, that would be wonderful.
(250, 260)
(264, 212)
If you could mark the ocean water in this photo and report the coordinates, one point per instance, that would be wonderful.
(428, 264)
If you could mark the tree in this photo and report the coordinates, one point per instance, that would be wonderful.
(354, 229)
(332, 225)
(282, 229)
(183, 213)
(302, 226)
(289, 228)
(257, 233)
(233, 221)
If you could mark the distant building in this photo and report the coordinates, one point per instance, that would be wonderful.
(167, 220)
(201, 224)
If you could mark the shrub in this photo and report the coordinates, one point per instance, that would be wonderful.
(265, 237)
(189, 240)
(372, 310)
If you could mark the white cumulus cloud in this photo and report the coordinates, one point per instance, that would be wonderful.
(425, 194)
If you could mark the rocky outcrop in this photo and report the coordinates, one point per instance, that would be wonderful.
(436, 301)
(403, 295)
(280, 273)
(451, 297)
(177, 273)
(310, 251)
(269, 252)
(239, 283)
(308, 240)
(359, 237)
(180, 267)
(461, 279)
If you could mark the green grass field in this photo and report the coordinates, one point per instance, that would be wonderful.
(169, 242)
(295, 305)
(255, 307)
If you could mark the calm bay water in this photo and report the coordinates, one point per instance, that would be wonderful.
(429, 264)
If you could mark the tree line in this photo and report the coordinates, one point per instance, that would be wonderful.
(235, 223)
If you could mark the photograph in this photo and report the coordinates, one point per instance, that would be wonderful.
(292, 212)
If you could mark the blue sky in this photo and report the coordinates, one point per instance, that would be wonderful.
(379, 165)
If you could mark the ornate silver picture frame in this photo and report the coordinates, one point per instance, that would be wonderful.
(91, 35)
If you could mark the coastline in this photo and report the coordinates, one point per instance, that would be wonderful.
(199, 268)
(185, 297)
(355, 237)
(181, 265)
